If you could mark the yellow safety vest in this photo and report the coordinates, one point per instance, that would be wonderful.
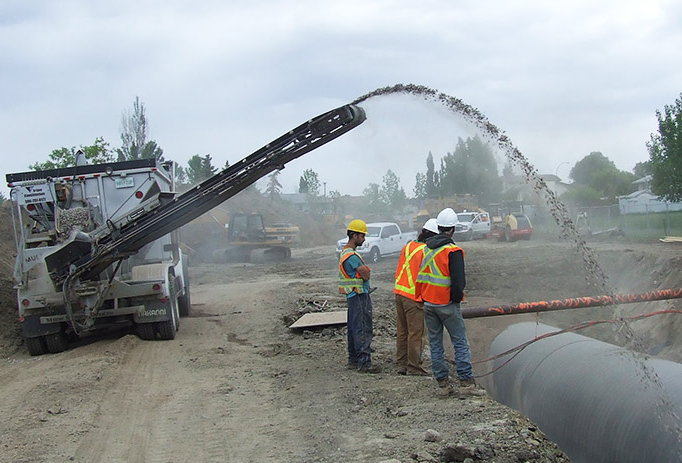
(347, 284)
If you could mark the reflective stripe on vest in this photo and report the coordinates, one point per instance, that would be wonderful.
(408, 267)
(347, 284)
(433, 280)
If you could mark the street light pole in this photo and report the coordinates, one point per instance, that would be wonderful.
(556, 173)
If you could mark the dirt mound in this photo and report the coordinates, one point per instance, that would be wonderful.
(10, 332)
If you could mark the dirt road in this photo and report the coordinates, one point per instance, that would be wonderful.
(237, 385)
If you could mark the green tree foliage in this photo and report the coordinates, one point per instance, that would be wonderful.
(582, 195)
(665, 153)
(274, 188)
(134, 128)
(470, 169)
(97, 153)
(199, 169)
(420, 186)
(391, 193)
(642, 169)
(309, 183)
(431, 177)
(373, 198)
(180, 174)
(600, 174)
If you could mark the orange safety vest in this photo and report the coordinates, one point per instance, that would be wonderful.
(433, 279)
(347, 284)
(408, 267)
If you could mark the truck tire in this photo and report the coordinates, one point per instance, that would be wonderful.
(146, 331)
(508, 236)
(185, 301)
(36, 346)
(168, 328)
(470, 235)
(374, 255)
(56, 342)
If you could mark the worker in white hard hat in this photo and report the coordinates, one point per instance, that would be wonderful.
(354, 284)
(441, 281)
(408, 305)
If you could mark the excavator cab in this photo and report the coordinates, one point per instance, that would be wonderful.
(246, 228)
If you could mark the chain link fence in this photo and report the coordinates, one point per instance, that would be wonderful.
(608, 220)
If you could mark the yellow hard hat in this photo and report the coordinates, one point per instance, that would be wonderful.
(358, 226)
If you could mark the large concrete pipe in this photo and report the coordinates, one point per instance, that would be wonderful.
(597, 401)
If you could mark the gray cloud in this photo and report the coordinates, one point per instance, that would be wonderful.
(225, 78)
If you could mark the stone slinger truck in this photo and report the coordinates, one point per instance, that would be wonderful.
(98, 246)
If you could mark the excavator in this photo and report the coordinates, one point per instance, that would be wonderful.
(221, 236)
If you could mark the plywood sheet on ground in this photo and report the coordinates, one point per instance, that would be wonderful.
(320, 319)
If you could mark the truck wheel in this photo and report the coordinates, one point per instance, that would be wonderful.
(374, 255)
(470, 235)
(56, 342)
(167, 328)
(146, 331)
(36, 346)
(508, 234)
(184, 301)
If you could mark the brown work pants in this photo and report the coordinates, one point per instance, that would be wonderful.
(410, 336)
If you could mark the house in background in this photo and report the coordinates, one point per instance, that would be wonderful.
(644, 201)
(555, 184)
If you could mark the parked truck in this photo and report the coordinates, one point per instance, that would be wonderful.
(382, 239)
(97, 245)
(472, 225)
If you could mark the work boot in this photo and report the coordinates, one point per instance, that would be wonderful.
(445, 388)
(370, 369)
(401, 370)
(418, 372)
(352, 366)
(469, 387)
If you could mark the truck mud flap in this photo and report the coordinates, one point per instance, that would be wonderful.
(152, 311)
(32, 326)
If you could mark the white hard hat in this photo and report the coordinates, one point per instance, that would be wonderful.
(447, 218)
(431, 225)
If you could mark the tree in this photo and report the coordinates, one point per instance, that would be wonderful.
(600, 174)
(665, 153)
(420, 186)
(309, 183)
(134, 129)
(642, 169)
(584, 171)
(582, 195)
(373, 197)
(199, 169)
(274, 188)
(470, 169)
(97, 153)
(180, 174)
(431, 177)
(391, 193)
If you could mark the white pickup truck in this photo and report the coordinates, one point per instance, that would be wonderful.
(382, 239)
(472, 224)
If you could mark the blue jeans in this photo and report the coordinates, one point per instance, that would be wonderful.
(450, 317)
(360, 330)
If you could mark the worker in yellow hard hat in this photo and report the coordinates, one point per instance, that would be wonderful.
(354, 283)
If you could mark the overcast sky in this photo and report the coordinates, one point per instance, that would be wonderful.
(562, 79)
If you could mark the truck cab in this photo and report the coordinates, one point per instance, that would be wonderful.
(382, 239)
(472, 225)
